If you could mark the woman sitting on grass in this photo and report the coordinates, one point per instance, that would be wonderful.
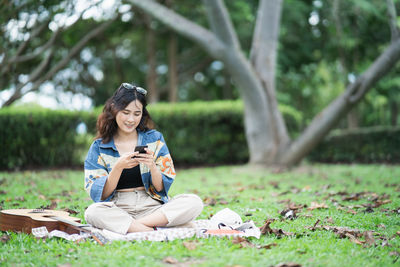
(130, 189)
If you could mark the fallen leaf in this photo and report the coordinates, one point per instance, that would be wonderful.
(259, 199)
(268, 246)
(209, 201)
(288, 264)
(354, 239)
(300, 251)
(295, 190)
(5, 238)
(394, 253)
(266, 229)
(294, 206)
(329, 220)
(70, 211)
(351, 197)
(190, 245)
(315, 205)
(257, 187)
(347, 210)
(170, 260)
(20, 198)
(243, 242)
(274, 184)
(369, 238)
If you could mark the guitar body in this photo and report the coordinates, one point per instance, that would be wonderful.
(23, 220)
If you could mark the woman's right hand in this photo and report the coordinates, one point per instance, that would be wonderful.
(127, 161)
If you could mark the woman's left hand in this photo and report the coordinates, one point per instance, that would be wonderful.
(146, 158)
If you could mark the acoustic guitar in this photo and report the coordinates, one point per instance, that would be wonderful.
(23, 220)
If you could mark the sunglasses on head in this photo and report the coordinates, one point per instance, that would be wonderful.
(138, 89)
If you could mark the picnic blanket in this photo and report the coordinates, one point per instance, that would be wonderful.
(224, 223)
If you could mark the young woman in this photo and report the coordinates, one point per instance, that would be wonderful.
(130, 189)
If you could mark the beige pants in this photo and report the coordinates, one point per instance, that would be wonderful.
(118, 214)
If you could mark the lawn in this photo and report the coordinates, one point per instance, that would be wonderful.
(322, 198)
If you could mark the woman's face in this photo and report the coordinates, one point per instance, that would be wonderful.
(128, 119)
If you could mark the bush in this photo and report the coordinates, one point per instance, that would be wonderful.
(365, 145)
(196, 133)
(39, 137)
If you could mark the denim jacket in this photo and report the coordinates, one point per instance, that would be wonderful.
(101, 158)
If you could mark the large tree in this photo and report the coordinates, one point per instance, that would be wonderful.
(268, 139)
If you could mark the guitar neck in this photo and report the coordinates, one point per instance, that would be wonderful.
(79, 226)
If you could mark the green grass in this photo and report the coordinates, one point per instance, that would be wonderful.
(248, 191)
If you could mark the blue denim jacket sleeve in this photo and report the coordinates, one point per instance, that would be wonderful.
(96, 173)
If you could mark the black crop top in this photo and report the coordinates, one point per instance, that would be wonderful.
(130, 178)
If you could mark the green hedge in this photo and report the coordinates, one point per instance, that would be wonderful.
(39, 137)
(201, 132)
(196, 133)
(364, 145)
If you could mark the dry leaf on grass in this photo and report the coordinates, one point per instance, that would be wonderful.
(288, 264)
(210, 201)
(190, 245)
(243, 242)
(344, 232)
(170, 260)
(5, 238)
(315, 205)
(268, 246)
(71, 211)
(266, 229)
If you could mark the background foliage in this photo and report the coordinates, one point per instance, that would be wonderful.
(196, 133)
(323, 46)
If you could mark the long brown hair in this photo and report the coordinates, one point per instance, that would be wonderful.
(106, 123)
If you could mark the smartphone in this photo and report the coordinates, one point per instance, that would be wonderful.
(140, 149)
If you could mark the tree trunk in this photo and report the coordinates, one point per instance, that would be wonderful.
(263, 58)
(394, 113)
(265, 129)
(172, 68)
(352, 119)
(151, 77)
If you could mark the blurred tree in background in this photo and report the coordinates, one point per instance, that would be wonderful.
(90, 47)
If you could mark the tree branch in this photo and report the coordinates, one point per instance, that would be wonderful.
(394, 30)
(37, 51)
(32, 77)
(62, 63)
(206, 39)
(7, 62)
(220, 22)
(324, 121)
(35, 32)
